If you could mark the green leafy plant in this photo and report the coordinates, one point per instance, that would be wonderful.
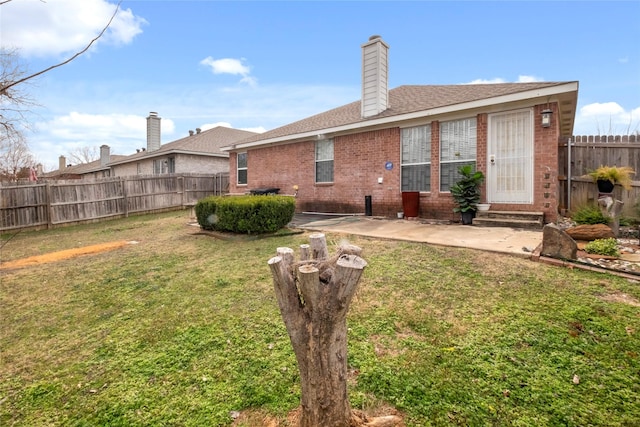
(466, 191)
(589, 214)
(608, 247)
(614, 174)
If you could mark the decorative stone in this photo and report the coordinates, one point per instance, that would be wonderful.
(556, 243)
(589, 232)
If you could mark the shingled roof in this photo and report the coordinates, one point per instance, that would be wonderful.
(206, 143)
(412, 101)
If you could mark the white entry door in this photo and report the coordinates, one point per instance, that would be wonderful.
(510, 157)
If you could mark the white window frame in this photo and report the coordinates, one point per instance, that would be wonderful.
(164, 166)
(324, 156)
(240, 168)
(458, 146)
(423, 159)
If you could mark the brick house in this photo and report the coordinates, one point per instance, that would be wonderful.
(412, 139)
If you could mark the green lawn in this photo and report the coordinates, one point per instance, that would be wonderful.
(182, 329)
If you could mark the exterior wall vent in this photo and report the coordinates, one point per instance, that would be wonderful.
(375, 77)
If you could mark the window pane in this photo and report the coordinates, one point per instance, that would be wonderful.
(242, 160)
(449, 174)
(416, 159)
(416, 144)
(324, 160)
(242, 176)
(324, 171)
(416, 178)
(324, 150)
(458, 140)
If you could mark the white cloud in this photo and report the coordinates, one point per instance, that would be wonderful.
(529, 79)
(521, 79)
(122, 133)
(61, 27)
(608, 118)
(485, 81)
(230, 66)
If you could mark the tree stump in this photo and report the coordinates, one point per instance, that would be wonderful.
(314, 295)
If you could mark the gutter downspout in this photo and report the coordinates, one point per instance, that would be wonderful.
(569, 171)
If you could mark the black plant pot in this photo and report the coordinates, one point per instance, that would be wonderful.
(467, 217)
(605, 186)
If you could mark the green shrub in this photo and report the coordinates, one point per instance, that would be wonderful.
(589, 214)
(245, 214)
(607, 247)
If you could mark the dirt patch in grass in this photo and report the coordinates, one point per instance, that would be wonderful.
(623, 298)
(61, 255)
(253, 417)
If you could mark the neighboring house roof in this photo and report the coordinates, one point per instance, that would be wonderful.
(205, 143)
(415, 101)
(82, 168)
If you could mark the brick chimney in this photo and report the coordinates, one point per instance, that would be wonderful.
(105, 155)
(375, 77)
(153, 131)
(62, 162)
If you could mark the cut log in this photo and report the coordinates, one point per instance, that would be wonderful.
(314, 296)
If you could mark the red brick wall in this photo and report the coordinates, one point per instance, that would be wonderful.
(359, 160)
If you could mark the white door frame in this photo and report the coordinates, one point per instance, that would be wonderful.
(510, 157)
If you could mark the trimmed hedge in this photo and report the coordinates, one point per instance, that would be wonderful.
(245, 214)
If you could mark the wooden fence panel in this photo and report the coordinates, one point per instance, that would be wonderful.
(64, 202)
(587, 154)
(584, 192)
(81, 201)
(23, 206)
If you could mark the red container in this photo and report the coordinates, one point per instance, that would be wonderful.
(411, 203)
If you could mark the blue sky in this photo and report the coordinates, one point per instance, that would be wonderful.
(259, 65)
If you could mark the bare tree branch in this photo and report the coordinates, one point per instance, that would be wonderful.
(8, 85)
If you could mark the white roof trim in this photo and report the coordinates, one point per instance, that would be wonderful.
(503, 99)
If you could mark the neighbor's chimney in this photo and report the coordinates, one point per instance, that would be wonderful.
(62, 162)
(105, 155)
(375, 77)
(153, 131)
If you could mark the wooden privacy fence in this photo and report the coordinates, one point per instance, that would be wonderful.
(582, 154)
(57, 203)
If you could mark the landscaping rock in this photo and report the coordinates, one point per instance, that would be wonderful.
(556, 243)
(589, 232)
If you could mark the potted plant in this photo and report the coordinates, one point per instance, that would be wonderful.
(606, 177)
(466, 192)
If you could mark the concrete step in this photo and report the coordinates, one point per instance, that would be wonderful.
(527, 220)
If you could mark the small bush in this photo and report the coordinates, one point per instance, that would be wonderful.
(608, 247)
(589, 215)
(245, 214)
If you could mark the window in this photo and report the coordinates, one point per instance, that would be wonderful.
(324, 160)
(164, 166)
(242, 168)
(416, 158)
(457, 148)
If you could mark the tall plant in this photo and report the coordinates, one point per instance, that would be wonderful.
(466, 191)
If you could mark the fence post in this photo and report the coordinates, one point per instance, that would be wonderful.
(180, 188)
(125, 201)
(49, 205)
